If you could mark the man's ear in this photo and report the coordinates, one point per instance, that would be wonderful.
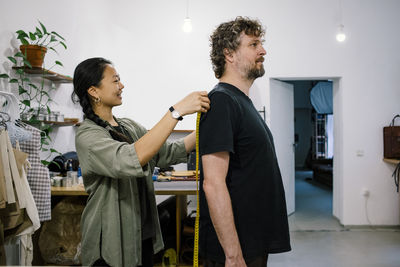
(92, 91)
(228, 55)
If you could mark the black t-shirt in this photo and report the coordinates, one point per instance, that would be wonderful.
(254, 180)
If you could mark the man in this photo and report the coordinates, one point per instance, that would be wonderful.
(243, 214)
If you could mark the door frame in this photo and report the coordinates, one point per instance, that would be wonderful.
(337, 175)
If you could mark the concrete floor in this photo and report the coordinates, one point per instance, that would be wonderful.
(318, 239)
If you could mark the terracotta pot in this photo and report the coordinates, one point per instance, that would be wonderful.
(34, 54)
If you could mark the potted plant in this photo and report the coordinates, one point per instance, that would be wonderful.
(33, 93)
(34, 45)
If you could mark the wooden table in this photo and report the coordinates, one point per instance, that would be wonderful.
(76, 190)
(181, 189)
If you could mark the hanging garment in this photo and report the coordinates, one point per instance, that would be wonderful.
(26, 250)
(17, 132)
(38, 175)
(15, 174)
(3, 196)
(30, 206)
(14, 219)
(21, 218)
(9, 196)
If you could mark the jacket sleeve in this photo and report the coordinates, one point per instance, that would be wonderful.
(99, 154)
(171, 153)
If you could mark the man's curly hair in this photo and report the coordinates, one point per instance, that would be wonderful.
(227, 35)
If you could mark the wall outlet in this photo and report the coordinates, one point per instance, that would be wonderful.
(365, 192)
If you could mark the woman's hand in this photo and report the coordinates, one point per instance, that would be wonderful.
(194, 102)
(149, 144)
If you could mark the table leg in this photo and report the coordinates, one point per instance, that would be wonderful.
(181, 212)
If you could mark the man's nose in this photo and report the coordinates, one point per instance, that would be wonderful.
(263, 52)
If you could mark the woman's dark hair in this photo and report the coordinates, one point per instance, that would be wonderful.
(227, 35)
(90, 73)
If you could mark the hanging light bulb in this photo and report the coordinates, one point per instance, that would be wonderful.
(187, 22)
(187, 25)
(340, 36)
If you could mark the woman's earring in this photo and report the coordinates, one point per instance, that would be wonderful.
(97, 100)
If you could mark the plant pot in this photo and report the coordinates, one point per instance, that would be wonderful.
(34, 54)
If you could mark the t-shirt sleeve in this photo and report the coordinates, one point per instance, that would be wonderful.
(218, 125)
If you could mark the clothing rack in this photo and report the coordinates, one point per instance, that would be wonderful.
(15, 166)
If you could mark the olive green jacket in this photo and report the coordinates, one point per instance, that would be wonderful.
(111, 224)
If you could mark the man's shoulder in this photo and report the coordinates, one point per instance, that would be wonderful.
(221, 88)
(222, 92)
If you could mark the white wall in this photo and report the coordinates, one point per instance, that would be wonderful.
(159, 64)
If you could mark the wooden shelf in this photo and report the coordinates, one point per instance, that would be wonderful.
(61, 123)
(48, 74)
(392, 161)
(58, 123)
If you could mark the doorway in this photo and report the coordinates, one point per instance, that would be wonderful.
(310, 190)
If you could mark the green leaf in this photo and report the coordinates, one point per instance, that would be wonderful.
(53, 50)
(38, 33)
(27, 63)
(56, 163)
(4, 75)
(59, 36)
(20, 32)
(13, 81)
(32, 36)
(43, 27)
(24, 41)
(33, 119)
(13, 60)
(44, 137)
(26, 102)
(63, 44)
(21, 90)
(20, 71)
(53, 39)
(33, 85)
(48, 110)
(59, 63)
(52, 150)
(19, 54)
(26, 79)
(45, 162)
(46, 94)
(44, 149)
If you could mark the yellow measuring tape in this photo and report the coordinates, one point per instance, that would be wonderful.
(196, 227)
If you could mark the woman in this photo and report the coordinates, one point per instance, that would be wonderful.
(120, 224)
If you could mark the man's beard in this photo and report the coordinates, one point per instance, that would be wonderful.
(255, 73)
